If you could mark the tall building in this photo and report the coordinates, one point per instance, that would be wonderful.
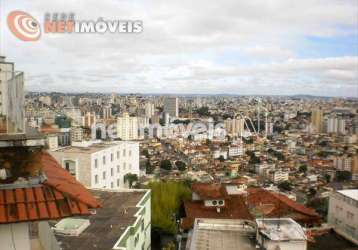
(317, 120)
(343, 213)
(336, 125)
(171, 106)
(12, 116)
(107, 112)
(89, 119)
(235, 127)
(127, 127)
(100, 165)
(149, 109)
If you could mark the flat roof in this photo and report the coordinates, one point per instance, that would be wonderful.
(109, 223)
(228, 234)
(351, 193)
(279, 229)
(90, 149)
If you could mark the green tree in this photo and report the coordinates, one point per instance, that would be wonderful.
(221, 158)
(148, 167)
(166, 200)
(285, 186)
(180, 165)
(166, 164)
(130, 178)
(302, 168)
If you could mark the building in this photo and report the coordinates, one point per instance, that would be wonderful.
(280, 233)
(12, 116)
(228, 234)
(107, 112)
(235, 127)
(89, 119)
(127, 127)
(149, 109)
(343, 213)
(278, 175)
(336, 125)
(123, 222)
(76, 134)
(317, 120)
(171, 106)
(100, 165)
(43, 191)
(236, 150)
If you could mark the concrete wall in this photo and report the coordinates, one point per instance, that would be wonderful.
(15, 236)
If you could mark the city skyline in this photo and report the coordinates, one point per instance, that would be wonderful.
(240, 48)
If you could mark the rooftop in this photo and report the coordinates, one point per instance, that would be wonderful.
(278, 229)
(118, 212)
(56, 195)
(351, 193)
(89, 149)
(210, 234)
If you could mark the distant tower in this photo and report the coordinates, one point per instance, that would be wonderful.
(171, 106)
(317, 120)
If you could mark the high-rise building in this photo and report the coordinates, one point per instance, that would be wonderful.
(149, 109)
(171, 106)
(12, 116)
(127, 127)
(89, 119)
(235, 127)
(107, 112)
(336, 125)
(317, 120)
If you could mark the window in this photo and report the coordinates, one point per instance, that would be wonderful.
(95, 163)
(68, 166)
(124, 152)
(117, 168)
(117, 154)
(221, 202)
(124, 166)
(104, 160)
(350, 215)
(142, 225)
(112, 157)
(104, 175)
(111, 171)
(214, 203)
(96, 179)
(112, 185)
(117, 182)
(129, 166)
(130, 152)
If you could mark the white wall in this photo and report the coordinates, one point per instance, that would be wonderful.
(15, 236)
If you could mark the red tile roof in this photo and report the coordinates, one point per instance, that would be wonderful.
(209, 191)
(57, 197)
(234, 208)
(283, 206)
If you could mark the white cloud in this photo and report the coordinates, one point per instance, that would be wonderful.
(191, 46)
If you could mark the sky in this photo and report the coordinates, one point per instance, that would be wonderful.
(256, 47)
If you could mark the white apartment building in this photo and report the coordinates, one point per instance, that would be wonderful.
(149, 109)
(100, 165)
(343, 213)
(236, 150)
(76, 134)
(278, 175)
(171, 106)
(127, 127)
(11, 98)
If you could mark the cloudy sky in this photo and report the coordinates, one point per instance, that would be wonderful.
(228, 46)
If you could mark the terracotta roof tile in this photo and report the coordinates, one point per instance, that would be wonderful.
(59, 196)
